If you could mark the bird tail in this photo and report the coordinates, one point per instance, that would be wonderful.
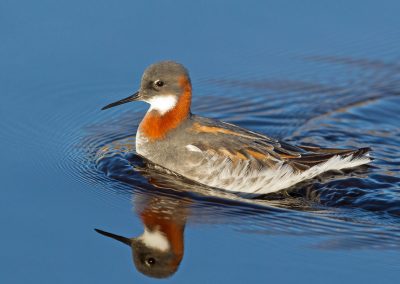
(316, 156)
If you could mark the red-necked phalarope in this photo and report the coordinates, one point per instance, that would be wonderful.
(216, 153)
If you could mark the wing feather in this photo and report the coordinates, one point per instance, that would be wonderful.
(237, 144)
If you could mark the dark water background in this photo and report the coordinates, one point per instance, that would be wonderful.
(309, 72)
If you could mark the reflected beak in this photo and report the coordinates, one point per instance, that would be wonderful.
(122, 239)
(132, 98)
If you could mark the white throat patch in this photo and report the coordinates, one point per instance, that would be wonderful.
(155, 239)
(162, 104)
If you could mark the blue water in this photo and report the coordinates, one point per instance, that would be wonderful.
(308, 72)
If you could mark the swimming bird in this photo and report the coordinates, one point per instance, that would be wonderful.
(216, 153)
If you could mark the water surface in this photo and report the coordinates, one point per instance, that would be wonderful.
(311, 74)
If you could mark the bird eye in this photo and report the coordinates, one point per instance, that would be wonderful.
(150, 261)
(159, 83)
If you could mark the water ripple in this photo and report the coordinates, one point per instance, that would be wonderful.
(347, 209)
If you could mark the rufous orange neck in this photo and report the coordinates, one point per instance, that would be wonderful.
(171, 226)
(155, 126)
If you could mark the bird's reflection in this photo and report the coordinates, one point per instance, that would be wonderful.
(159, 250)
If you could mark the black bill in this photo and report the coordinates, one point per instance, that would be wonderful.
(131, 98)
(115, 237)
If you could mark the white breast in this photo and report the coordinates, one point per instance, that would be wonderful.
(139, 143)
